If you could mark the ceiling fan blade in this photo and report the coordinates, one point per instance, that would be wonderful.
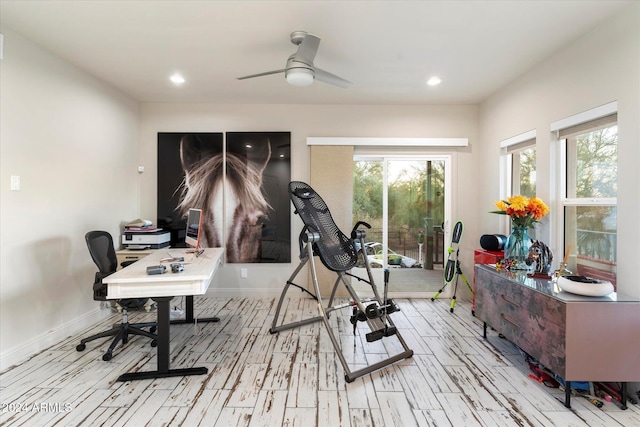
(308, 49)
(266, 73)
(327, 77)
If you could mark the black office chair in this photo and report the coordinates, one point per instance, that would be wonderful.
(100, 244)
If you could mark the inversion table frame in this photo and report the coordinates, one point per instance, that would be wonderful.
(320, 236)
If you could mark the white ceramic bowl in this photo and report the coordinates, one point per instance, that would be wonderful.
(590, 287)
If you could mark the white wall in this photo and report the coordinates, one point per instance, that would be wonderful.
(602, 66)
(74, 143)
(304, 121)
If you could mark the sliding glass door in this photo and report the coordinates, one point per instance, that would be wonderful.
(406, 201)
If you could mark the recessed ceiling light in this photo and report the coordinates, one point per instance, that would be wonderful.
(434, 81)
(177, 79)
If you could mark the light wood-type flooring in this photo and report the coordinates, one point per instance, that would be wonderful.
(456, 378)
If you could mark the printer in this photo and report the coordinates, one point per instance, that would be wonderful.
(146, 239)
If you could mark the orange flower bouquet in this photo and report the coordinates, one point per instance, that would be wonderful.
(524, 211)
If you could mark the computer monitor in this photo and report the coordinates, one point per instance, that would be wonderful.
(194, 223)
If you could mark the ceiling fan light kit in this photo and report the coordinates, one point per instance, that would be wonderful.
(300, 70)
(301, 76)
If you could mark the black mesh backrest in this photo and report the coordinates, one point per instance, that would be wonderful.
(336, 251)
(101, 248)
(100, 244)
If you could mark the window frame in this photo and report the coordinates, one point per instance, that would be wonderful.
(562, 131)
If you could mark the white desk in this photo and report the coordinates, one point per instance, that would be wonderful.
(134, 282)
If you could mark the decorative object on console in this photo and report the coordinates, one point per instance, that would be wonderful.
(517, 247)
(562, 270)
(524, 213)
(505, 265)
(582, 285)
(540, 257)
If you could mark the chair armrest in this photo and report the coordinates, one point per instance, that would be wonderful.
(126, 263)
(97, 281)
(97, 286)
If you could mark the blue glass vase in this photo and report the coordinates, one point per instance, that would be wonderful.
(517, 247)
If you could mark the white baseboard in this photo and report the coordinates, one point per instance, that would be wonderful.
(22, 352)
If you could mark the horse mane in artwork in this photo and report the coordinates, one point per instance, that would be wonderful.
(233, 206)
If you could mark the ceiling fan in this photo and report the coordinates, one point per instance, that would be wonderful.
(300, 70)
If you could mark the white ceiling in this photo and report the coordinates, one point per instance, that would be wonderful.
(386, 48)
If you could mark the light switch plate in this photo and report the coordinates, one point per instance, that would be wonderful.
(15, 183)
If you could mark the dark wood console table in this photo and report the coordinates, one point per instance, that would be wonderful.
(579, 338)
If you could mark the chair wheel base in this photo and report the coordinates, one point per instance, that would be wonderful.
(80, 347)
(154, 343)
(107, 356)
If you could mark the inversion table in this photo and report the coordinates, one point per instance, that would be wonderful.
(321, 237)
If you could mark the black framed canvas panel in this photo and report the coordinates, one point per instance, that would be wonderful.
(171, 177)
(269, 154)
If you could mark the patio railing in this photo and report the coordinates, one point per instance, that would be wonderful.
(404, 241)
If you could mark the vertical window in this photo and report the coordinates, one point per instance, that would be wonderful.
(590, 173)
(518, 168)
(523, 168)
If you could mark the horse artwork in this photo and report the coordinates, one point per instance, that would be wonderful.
(540, 255)
(244, 203)
(237, 186)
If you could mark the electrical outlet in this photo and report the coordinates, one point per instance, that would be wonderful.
(243, 273)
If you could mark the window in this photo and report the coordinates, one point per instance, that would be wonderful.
(518, 168)
(589, 199)
(405, 199)
(519, 165)
(523, 168)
